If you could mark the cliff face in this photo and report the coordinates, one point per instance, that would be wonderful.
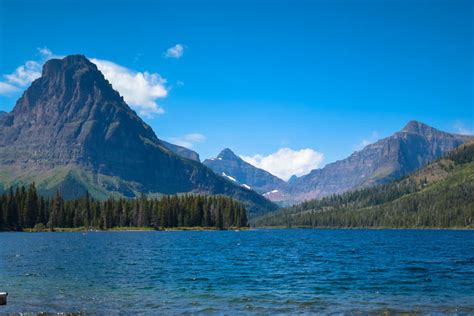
(71, 129)
(388, 159)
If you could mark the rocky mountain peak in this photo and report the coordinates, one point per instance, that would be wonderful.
(72, 62)
(72, 85)
(416, 127)
(228, 164)
(227, 154)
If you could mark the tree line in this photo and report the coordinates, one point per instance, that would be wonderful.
(23, 208)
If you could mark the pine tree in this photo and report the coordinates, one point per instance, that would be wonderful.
(11, 212)
(30, 208)
(57, 218)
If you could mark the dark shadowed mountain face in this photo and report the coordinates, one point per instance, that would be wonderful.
(72, 131)
(229, 165)
(181, 151)
(388, 159)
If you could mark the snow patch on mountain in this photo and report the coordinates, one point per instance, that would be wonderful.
(229, 177)
(271, 192)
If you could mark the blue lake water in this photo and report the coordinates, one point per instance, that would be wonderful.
(261, 271)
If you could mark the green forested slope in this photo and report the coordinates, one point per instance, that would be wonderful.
(439, 195)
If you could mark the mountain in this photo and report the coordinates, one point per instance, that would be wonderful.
(71, 131)
(292, 179)
(182, 151)
(231, 166)
(386, 160)
(441, 194)
(2, 113)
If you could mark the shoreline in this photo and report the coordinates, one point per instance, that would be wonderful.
(123, 229)
(366, 228)
(209, 229)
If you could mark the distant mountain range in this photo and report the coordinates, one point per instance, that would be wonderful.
(386, 160)
(71, 131)
(231, 166)
(441, 194)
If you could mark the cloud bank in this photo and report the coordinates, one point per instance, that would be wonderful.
(287, 162)
(25, 74)
(139, 89)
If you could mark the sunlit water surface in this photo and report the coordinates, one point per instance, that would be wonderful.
(261, 271)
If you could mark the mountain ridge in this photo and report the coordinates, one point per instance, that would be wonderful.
(70, 125)
(388, 159)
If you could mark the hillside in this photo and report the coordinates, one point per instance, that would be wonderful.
(439, 195)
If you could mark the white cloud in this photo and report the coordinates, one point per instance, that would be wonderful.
(188, 140)
(461, 129)
(139, 89)
(176, 51)
(373, 137)
(24, 74)
(6, 88)
(287, 162)
(46, 53)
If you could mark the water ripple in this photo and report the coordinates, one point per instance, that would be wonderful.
(250, 272)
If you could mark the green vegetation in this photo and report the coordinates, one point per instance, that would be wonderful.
(439, 195)
(73, 182)
(24, 209)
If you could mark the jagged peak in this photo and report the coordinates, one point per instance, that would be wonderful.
(66, 83)
(53, 66)
(416, 127)
(227, 153)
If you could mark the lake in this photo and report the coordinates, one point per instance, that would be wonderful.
(257, 271)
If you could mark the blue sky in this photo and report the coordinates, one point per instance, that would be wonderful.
(259, 76)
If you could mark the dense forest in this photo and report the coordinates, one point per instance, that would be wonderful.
(22, 208)
(439, 195)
